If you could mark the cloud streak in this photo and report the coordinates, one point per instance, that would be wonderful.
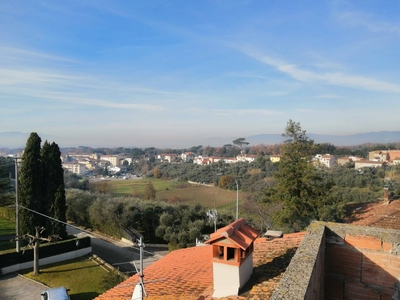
(242, 112)
(351, 18)
(332, 78)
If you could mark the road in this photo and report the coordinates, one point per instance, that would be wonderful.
(119, 254)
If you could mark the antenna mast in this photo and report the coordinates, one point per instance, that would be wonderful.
(135, 236)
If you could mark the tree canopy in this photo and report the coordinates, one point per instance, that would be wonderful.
(41, 188)
(300, 186)
(53, 189)
(31, 186)
(240, 142)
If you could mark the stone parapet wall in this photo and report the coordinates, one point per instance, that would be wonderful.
(304, 277)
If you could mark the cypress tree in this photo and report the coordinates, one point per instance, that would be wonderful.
(41, 188)
(53, 189)
(31, 186)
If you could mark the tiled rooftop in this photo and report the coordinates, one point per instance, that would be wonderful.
(188, 274)
(375, 214)
(238, 232)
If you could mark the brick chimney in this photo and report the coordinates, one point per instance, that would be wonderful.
(232, 247)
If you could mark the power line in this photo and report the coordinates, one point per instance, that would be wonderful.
(78, 228)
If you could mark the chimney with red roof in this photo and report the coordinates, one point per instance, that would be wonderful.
(232, 247)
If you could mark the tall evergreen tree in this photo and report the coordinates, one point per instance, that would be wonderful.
(299, 184)
(53, 189)
(41, 188)
(31, 186)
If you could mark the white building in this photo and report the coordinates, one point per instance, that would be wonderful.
(76, 168)
(326, 160)
(167, 157)
(367, 163)
(187, 156)
(246, 158)
(113, 159)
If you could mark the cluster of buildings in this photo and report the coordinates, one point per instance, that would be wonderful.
(82, 163)
(375, 159)
(205, 160)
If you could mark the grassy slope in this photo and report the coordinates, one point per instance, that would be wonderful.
(81, 276)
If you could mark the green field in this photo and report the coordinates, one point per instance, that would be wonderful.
(176, 192)
(84, 278)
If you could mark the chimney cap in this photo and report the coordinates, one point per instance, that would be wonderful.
(273, 234)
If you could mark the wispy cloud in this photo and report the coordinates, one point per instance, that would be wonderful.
(304, 110)
(352, 18)
(328, 96)
(14, 53)
(332, 78)
(102, 103)
(66, 88)
(241, 112)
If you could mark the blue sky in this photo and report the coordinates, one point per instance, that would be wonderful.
(171, 73)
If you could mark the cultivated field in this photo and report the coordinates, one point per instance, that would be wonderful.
(175, 192)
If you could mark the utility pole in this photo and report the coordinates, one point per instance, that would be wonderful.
(17, 233)
(141, 246)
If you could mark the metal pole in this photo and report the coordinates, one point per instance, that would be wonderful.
(237, 200)
(141, 264)
(17, 247)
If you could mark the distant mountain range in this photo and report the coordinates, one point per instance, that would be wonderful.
(16, 139)
(382, 137)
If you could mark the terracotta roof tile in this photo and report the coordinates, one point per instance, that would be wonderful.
(238, 232)
(375, 214)
(179, 275)
(187, 273)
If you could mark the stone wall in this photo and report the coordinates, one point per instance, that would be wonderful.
(304, 277)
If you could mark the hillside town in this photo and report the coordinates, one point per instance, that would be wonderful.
(83, 163)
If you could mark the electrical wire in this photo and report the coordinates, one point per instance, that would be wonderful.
(78, 228)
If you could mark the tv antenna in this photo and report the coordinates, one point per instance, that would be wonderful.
(136, 237)
(212, 215)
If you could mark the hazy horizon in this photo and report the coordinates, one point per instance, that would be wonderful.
(15, 140)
